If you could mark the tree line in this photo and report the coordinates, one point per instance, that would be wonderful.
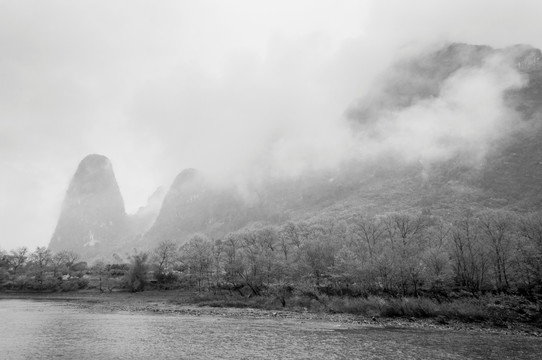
(22, 269)
(398, 254)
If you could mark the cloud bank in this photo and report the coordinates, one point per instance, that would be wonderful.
(466, 118)
(231, 87)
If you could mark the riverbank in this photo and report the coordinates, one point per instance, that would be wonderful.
(182, 303)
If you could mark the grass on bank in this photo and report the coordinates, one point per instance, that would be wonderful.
(464, 310)
(499, 310)
(495, 309)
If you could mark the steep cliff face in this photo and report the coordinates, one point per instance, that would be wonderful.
(93, 219)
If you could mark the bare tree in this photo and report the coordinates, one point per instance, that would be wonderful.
(233, 266)
(58, 263)
(197, 256)
(436, 257)
(217, 252)
(17, 259)
(100, 268)
(63, 261)
(267, 240)
(252, 271)
(41, 259)
(319, 259)
(366, 236)
(71, 258)
(469, 253)
(497, 228)
(290, 237)
(530, 228)
(407, 235)
(164, 257)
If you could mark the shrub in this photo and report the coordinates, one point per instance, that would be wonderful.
(409, 307)
(464, 310)
(136, 275)
(82, 283)
(165, 278)
(301, 301)
(48, 284)
(360, 306)
(69, 285)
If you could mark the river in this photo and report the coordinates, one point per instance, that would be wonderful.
(55, 330)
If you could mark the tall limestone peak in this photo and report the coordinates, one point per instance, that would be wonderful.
(93, 218)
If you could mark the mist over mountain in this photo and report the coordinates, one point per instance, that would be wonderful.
(192, 205)
(447, 127)
(145, 216)
(453, 100)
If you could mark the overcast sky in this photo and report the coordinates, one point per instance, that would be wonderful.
(158, 86)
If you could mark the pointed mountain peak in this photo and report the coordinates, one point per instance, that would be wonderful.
(93, 215)
(94, 174)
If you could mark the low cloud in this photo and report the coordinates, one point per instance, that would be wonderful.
(241, 89)
(466, 117)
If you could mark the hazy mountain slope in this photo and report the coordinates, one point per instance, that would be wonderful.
(193, 206)
(514, 173)
(421, 76)
(498, 171)
(506, 176)
(144, 218)
(93, 219)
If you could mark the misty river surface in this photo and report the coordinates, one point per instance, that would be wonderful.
(51, 330)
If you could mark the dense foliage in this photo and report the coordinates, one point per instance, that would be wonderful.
(399, 254)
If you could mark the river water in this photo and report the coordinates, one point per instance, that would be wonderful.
(55, 330)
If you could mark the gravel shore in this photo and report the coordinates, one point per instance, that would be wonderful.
(166, 302)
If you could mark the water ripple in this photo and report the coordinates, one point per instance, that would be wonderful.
(48, 330)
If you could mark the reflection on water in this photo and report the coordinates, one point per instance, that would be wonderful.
(45, 330)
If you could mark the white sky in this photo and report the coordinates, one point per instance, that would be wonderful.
(230, 87)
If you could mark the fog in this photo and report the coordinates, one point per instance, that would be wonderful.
(240, 89)
(466, 118)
